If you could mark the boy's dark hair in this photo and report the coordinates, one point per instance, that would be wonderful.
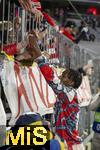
(82, 72)
(74, 76)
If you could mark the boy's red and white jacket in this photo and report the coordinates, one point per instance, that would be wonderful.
(66, 108)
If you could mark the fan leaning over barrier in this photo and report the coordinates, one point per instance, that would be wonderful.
(24, 86)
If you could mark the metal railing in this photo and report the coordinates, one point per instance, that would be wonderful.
(62, 50)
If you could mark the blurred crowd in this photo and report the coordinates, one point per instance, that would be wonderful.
(65, 20)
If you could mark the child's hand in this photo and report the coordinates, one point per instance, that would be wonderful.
(32, 41)
(22, 45)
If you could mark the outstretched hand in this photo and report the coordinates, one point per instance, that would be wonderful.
(32, 50)
(27, 5)
(33, 39)
(37, 15)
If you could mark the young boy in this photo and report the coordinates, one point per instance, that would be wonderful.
(66, 107)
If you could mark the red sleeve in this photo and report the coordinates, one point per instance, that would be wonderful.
(49, 19)
(67, 34)
(47, 72)
(10, 49)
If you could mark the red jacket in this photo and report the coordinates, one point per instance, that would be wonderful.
(10, 49)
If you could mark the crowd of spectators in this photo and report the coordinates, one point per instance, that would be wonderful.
(62, 17)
